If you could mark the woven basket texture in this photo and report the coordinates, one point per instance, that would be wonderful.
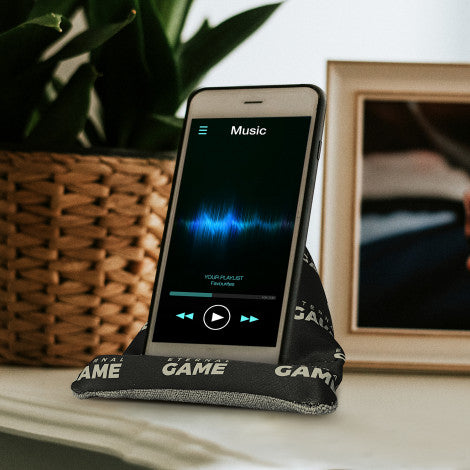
(80, 238)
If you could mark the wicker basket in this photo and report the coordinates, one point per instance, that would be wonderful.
(80, 238)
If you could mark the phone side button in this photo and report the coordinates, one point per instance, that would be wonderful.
(319, 150)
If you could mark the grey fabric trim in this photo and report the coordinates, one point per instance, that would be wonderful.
(245, 400)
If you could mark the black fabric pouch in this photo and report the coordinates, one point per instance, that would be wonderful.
(305, 383)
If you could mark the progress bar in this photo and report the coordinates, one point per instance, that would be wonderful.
(176, 293)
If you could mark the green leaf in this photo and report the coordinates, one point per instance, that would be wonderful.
(51, 90)
(211, 44)
(23, 79)
(94, 136)
(57, 84)
(21, 47)
(50, 20)
(123, 87)
(20, 95)
(172, 121)
(14, 13)
(90, 39)
(142, 78)
(62, 7)
(159, 60)
(66, 116)
(173, 16)
(158, 132)
(33, 120)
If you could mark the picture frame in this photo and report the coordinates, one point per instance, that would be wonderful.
(353, 90)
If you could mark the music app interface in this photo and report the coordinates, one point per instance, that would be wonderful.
(229, 250)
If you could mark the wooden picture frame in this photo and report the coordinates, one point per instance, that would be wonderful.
(349, 86)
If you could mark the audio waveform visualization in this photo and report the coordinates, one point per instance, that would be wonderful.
(222, 224)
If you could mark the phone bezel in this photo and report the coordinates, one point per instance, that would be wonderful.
(228, 102)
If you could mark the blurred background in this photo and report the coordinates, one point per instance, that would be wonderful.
(296, 42)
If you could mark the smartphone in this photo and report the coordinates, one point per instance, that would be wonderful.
(237, 221)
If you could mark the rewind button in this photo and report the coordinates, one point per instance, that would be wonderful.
(185, 315)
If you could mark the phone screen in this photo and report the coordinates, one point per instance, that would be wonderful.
(230, 244)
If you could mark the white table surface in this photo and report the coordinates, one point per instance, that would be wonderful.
(383, 421)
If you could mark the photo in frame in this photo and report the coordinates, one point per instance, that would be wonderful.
(395, 234)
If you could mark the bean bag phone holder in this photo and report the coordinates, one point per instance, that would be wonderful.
(304, 383)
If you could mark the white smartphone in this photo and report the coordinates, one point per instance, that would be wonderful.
(237, 221)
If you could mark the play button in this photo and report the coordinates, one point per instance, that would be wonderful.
(216, 317)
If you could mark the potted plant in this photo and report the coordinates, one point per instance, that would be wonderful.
(81, 229)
